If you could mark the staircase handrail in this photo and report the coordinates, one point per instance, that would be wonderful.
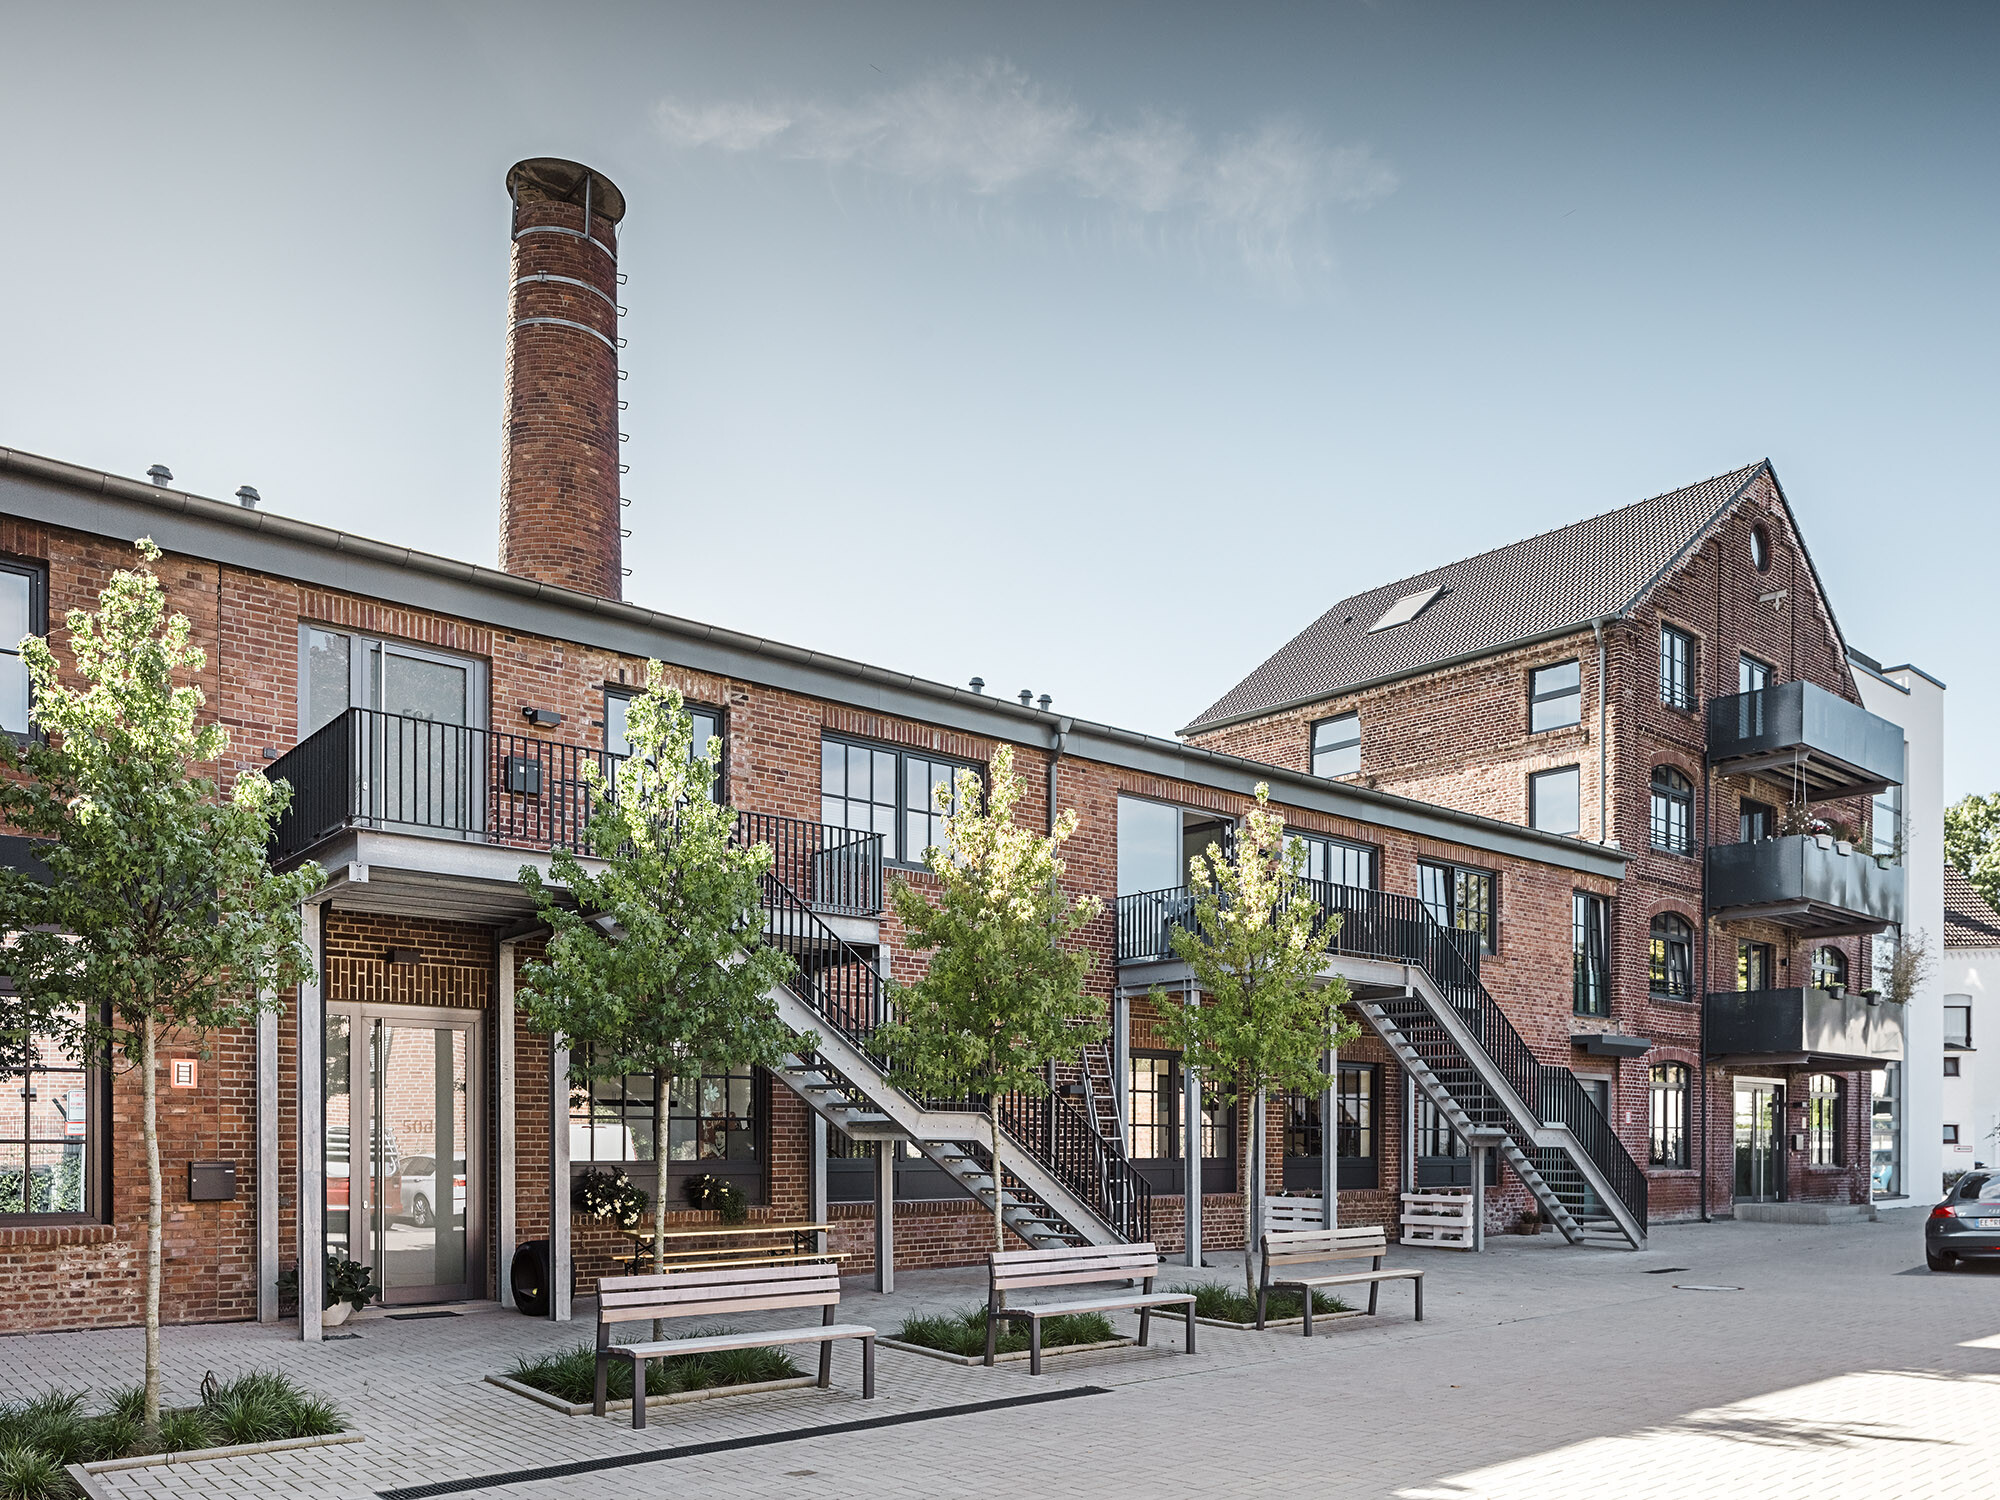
(1083, 1160)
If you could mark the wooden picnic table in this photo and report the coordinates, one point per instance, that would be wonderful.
(740, 1248)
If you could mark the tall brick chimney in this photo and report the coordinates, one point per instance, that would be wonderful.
(559, 504)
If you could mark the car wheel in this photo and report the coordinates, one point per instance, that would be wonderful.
(420, 1214)
(1939, 1262)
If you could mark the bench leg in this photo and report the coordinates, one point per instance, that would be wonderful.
(1263, 1292)
(868, 1369)
(1374, 1287)
(1190, 1323)
(603, 1380)
(1034, 1346)
(825, 1363)
(1145, 1325)
(1306, 1294)
(638, 1394)
(1420, 1298)
(992, 1333)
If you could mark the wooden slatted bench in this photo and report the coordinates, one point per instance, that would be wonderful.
(1025, 1270)
(1315, 1246)
(710, 1293)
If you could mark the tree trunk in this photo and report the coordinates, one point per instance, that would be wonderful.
(1253, 1168)
(659, 1196)
(147, 1049)
(999, 1219)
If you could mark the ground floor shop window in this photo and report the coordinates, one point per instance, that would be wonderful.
(47, 1137)
(1444, 1160)
(1355, 1133)
(1154, 1114)
(1823, 1120)
(714, 1124)
(1669, 1115)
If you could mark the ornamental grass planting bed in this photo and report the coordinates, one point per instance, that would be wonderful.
(41, 1437)
(567, 1380)
(960, 1337)
(1231, 1307)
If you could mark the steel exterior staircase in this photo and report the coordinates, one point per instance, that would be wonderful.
(1060, 1181)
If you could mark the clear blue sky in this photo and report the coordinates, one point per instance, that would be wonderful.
(1091, 349)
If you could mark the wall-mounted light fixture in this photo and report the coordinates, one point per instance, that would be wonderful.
(541, 718)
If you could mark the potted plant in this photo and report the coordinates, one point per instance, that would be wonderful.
(350, 1286)
(725, 1197)
(610, 1195)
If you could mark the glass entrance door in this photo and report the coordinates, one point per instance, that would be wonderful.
(403, 1081)
(424, 750)
(1759, 1162)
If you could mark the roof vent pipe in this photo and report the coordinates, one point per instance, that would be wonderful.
(978, 684)
(161, 475)
(1043, 702)
(1027, 696)
(247, 496)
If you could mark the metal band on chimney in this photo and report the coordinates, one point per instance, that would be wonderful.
(522, 281)
(566, 323)
(575, 234)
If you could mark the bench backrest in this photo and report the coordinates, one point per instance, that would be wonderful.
(689, 1294)
(1017, 1270)
(1284, 1247)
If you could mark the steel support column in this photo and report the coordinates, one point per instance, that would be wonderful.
(560, 1266)
(311, 1213)
(885, 1216)
(267, 1161)
(504, 1186)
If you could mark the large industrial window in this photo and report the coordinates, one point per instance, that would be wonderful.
(1154, 1112)
(1673, 811)
(1337, 861)
(1555, 697)
(1672, 957)
(880, 789)
(1668, 1146)
(1554, 799)
(1465, 899)
(707, 727)
(712, 1121)
(1355, 1132)
(1336, 746)
(1591, 987)
(1823, 1120)
(47, 1131)
(24, 591)
(1676, 668)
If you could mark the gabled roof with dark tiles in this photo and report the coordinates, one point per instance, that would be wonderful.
(1547, 585)
(1969, 920)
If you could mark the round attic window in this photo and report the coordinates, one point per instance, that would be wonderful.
(1760, 548)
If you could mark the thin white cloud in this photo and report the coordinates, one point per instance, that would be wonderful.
(991, 131)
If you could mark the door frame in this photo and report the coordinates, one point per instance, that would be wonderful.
(361, 1109)
(1780, 1165)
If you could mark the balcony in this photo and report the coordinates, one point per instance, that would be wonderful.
(1832, 747)
(397, 779)
(1806, 883)
(1832, 1029)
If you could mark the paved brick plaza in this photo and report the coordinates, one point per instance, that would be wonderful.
(1540, 1372)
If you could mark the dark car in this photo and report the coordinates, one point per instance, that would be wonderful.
(1966, 1226)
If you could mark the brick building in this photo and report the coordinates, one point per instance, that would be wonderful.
(434, 717)
(1667, 679)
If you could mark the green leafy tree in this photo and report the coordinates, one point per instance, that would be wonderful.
(659, 966)
(1003, 995)
(1258, 1016)
(162, 914)
(1972, 841)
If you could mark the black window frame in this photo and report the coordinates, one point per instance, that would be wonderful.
(92, 1159)
(1328, 844)
(1590, 916)
(1826, 1120)
(1666, 1118)
(1746, 664)
(893, 852)
(1670, 791)
(1964, 1043)
(748, 1171)
(1827, 975)
(1950, 1134)
(1667, 935)
(1538, 696)
(620, 692)
(1951, 1068)
(1753, 958)
(1678, 662)
(37, 574)
(1755, 821)
(1357, 1132)
(1314, 749)
(1454, 912)
(1535, 782)
(1760, 547)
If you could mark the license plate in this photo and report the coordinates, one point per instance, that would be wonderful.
(1986, 1223)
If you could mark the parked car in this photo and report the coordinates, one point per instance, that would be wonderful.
(1966, 1226)
(420, 1190)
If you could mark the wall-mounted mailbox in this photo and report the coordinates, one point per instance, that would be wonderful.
(524, 776)
(211, 1182)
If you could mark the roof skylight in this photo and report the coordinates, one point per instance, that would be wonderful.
(1406, 608)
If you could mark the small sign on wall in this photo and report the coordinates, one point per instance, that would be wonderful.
(182, 1074)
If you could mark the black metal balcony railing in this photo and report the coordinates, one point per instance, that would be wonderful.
(1806, 883)
(1826, 745)
(367, 769)
(1378, 924)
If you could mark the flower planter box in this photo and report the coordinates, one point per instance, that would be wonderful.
(83, 1476)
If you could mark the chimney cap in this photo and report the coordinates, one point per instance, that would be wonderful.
(554, 179)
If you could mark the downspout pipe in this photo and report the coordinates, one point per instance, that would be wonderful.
(1055, 758)
(1603, 827)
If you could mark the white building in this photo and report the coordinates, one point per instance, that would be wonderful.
(1969, 984)
(1909, 1099)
